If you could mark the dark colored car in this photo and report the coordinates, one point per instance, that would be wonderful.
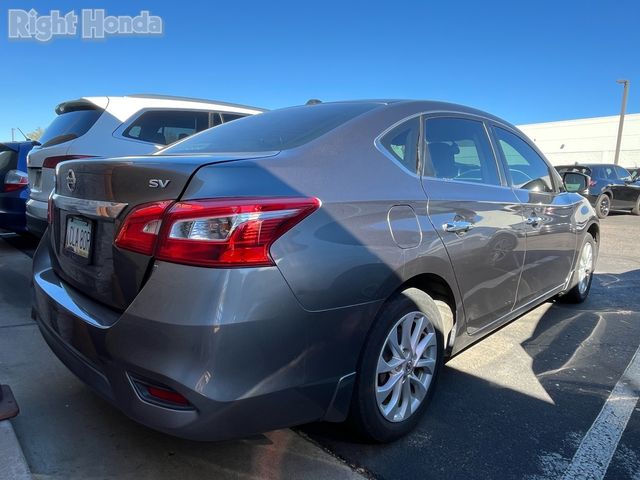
(310, 263)
(14, 185)
(612, 187)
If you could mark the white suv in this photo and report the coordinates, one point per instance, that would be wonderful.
(115, 126)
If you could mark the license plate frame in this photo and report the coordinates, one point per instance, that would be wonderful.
(78, 238)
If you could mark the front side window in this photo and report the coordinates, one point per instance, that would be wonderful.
(623, 173)
(459, 149)
(402, 144)
(163, 127)
(527, 169)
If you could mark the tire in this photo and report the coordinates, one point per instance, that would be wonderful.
(580, 291)
(636, 209)
(404, 309)
(603, 205)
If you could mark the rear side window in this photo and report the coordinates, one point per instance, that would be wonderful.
(163, 127)
(273, 131)
(229, 117)
(459, 149)
(402, 144)
(70, 125)
(527, 169)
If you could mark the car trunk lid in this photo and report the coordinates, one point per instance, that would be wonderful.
(95, 196)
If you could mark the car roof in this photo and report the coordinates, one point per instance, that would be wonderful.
(193, 99)
(431, 106)
(153, 101)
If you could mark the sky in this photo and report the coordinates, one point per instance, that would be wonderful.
(525, 61)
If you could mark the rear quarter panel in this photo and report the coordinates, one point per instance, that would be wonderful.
(343, 254)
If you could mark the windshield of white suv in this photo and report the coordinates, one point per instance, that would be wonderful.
(70, 125)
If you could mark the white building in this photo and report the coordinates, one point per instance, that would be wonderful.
(587, 140)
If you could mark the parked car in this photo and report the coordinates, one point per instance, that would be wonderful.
(611, 187)
(310, 263)
(116, 126)
(14, 189)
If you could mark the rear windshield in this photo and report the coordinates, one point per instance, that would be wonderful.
(272, 131)
(70, 125)
(8, 159)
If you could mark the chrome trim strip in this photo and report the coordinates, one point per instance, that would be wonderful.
(94, 208)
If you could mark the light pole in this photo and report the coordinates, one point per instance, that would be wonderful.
(621, 124)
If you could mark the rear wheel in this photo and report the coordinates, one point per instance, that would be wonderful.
(603, 205)
(584, 272)
(399, 367)
(636, 209)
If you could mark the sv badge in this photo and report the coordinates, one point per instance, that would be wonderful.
(157, 183)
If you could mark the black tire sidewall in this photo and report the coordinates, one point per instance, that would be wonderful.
(365, 413)
(574, 295)
(599, 201)
(636, 209)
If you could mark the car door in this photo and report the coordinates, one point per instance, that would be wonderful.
(548, 212)
(477, 216)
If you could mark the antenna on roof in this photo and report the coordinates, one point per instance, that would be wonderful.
(25, 137)
(313, 101)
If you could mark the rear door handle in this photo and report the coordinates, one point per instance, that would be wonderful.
(458, 226)
(534, 221)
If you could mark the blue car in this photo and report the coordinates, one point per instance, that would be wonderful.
(14, 185)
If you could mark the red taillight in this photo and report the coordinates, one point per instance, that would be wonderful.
(15, 180)
(52, 162)
(213, 233)
(139, 231)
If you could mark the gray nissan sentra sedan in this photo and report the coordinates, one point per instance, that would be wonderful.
(311, 263)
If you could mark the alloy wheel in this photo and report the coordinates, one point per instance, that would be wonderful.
(605, 205)
(585, 267)
(406, 366)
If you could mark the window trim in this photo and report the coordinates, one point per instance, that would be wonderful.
(462, 116)
(119, 131)
(553, 174)
(377, 142)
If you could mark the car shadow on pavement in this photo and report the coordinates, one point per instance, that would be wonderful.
(517, 404)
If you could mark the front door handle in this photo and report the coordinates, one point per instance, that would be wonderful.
(534, 221)
(459, 226)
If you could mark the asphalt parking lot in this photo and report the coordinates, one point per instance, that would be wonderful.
(552, 395)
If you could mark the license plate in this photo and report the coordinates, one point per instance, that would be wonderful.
(78, 238)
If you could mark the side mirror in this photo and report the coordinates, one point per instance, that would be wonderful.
(576, 182)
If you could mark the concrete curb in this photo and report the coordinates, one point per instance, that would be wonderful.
(13, 465)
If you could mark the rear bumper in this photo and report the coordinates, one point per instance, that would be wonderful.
(243, 352)
(36, 216)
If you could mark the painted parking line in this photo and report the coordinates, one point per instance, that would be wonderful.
(594, 454)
